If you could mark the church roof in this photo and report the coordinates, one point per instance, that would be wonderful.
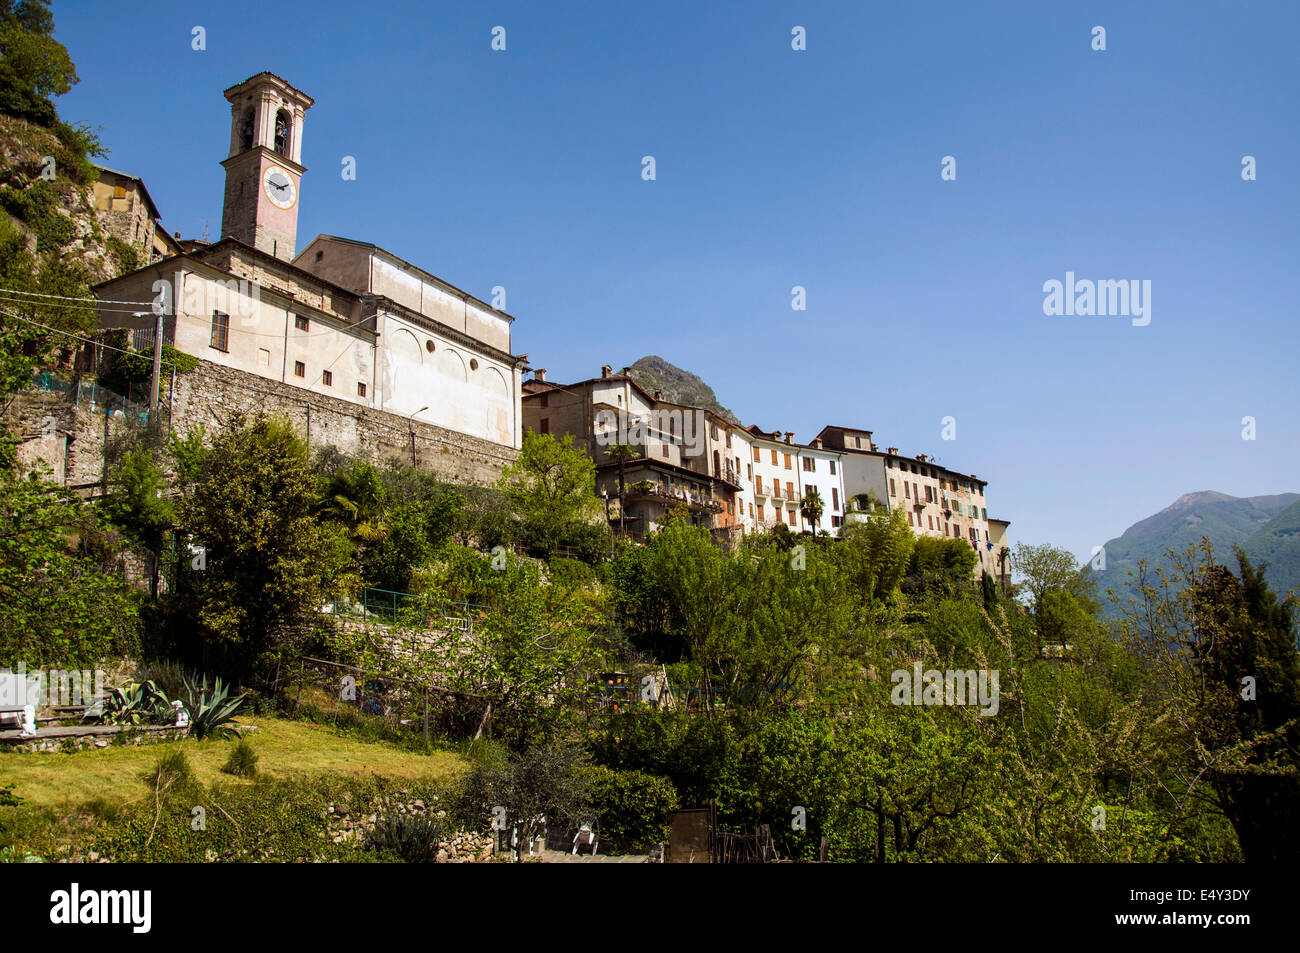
(416, 268)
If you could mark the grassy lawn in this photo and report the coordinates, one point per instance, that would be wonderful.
(285, 748)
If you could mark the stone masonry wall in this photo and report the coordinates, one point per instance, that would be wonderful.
(210, 394)
(72, 443)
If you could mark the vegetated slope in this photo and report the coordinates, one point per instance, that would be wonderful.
(678, 386)
(1277, 543)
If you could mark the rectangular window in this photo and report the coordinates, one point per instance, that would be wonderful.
(835, 497)
(299, 369)
(760, 510)
(773, 458)
(835, 522)
(810, 464)
(301, 323)
(327, 378)
(361, 389)
(907, 490)
(909, 518)
(749, 469)
(220, 331)
(929, 520)
(756, 452)
(984, 512)
(832, 468)
(751, 510)
(545, 400)
(789, 490)
(544, 426)
(790, 515)
(787, 462)
(758, 483)
(893, 491)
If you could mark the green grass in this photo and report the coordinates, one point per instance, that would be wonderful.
(111, 776)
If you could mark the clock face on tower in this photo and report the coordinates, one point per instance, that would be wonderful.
(279, 187)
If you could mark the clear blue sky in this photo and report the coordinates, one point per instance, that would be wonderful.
(820, 168)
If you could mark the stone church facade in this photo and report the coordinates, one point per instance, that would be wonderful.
(341, 325)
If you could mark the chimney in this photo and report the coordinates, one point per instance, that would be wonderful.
(606, 370)
(817, 442)
(789, 436)
(892, 451)
(659, 395)
(539, 374)
(921, 457)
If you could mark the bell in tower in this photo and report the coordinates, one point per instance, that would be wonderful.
(264, 170)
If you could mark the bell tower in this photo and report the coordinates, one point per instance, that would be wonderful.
(264, 169)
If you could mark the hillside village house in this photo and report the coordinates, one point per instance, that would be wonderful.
(341, 318)
(128, 212)
(743, 478)
(672, 446)
(938, 501)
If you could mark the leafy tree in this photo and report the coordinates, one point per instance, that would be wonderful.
(876, 553)
(60, 608)
(550, 488)
(33, 65)
(940, 566)
(269, 563)
(540, 782)
(1046, 568)
(139, 504)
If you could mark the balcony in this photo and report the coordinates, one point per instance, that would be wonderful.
(760, 492)
(729, 476)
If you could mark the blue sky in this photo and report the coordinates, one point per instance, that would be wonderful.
(819, 168)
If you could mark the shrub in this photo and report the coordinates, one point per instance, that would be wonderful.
(171, 773)
(128, 259)
(267, 820)
(569, 573)
(242, 761)
(633, 808)
(413, 838)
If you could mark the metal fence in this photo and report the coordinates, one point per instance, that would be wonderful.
(95, 398)
(421, 611)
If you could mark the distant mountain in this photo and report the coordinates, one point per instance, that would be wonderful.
(678, 386)
(1267, 526)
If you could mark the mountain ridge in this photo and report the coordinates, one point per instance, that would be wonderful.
(678, 386)
(1267, 527)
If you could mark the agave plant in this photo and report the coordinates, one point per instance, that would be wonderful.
(134, 704)
(211, 709)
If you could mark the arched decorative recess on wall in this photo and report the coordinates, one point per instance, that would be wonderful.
(451, 365)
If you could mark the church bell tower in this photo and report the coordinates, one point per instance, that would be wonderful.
(264, 169)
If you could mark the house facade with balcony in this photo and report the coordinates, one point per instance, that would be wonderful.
(783, 472)
(675, 449)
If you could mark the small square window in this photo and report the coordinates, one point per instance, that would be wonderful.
(299, 369)
(327, 378)
(301, 323)
(361, 389)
